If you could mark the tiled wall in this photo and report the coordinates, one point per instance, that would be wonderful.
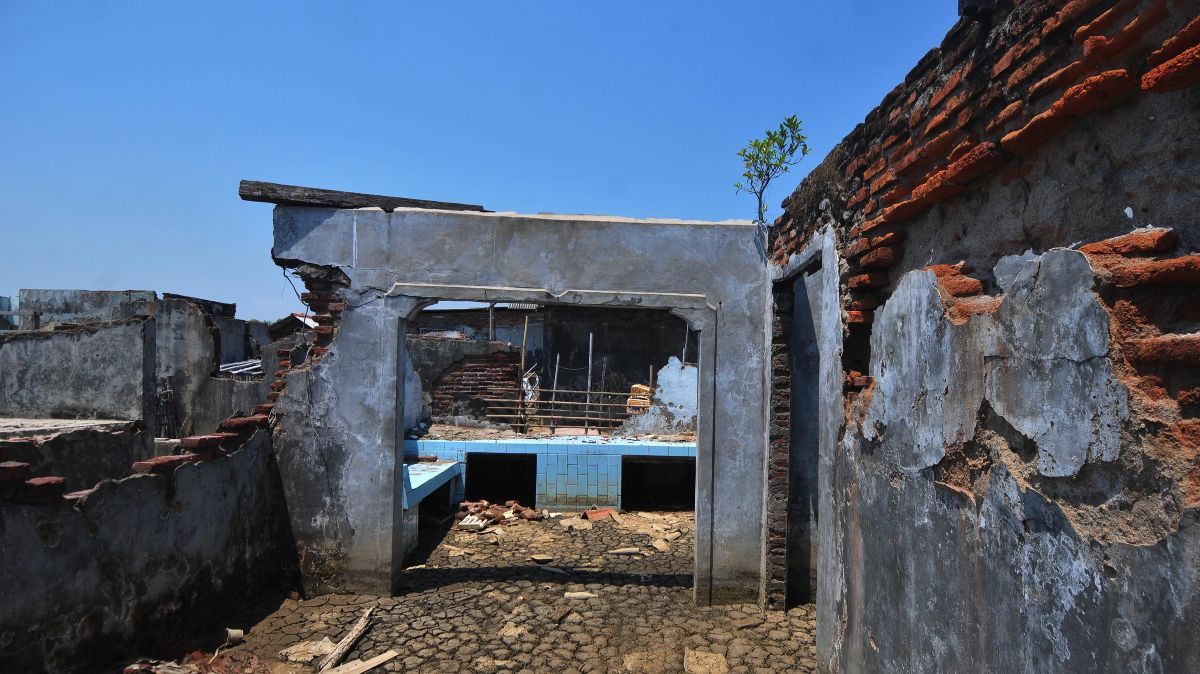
(572, 472)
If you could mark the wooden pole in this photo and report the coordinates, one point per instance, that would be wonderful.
(588, 409)
(554, 397)
(683, 356)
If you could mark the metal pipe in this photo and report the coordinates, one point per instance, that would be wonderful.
(587, 410)
(554, 395)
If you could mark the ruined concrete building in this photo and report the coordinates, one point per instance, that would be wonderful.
(951, 396)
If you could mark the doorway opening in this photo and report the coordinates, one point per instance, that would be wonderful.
(658, 483)
(498, 478)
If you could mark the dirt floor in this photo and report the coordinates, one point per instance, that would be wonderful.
(479, 602)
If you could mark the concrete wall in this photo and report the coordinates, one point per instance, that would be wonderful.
(138, 558)
(341, 452)
(188, 360)
(93, 372)
(1015, 489)
(85, 306)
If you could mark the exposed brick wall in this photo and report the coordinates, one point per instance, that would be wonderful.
(779, 447)
(489, 376)
(972, 119)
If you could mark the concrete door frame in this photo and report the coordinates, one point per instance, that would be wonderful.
(340, 427)
(695, 310)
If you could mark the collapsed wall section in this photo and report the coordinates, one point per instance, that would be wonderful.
(1017, 465)
(94, 577)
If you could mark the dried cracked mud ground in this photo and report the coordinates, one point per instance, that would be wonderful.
(478, 603)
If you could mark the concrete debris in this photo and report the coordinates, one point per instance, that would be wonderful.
(661, 545)
(571, 523)
(307, 651)
(494, 513)
(625, 551)
(542, 559)
(700, 662)
(671, 536)
(579, 595)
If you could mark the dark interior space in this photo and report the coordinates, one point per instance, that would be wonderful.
(502, 477)
(804, 443)
(435, 517)
(658, 483)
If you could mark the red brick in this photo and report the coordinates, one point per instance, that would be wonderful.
(1188, 36)
(1058, 79)
(1068, 15)
(323, 329)
(264, 408)
(1098, 92)
(336, 307)
(1166, 350)
(1181, 72)
(44, 489)
(864, 303)
(1105, 21)
(245, 423)
(952, 280)
(1098, 48)
(14, 471)
(960, 149)
(879, 258)
(875, 168)
(1138, 242)
(1035, 132)
(947, 88)
(941, 144)
(936, 189)
(868, 226)
(883, 180)
(163, 465)
(1015, 54)
(1184, 269)
(283, 353)
(1006, 115)
(1027, 70)
(274, 395)
(277, 386)
(869, 280)
(857, 198)
(937, 121)
(860, 317)
(206, 441)
(978, 162)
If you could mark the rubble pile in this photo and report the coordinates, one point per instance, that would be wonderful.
(495, 513)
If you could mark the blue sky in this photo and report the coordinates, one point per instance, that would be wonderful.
(127, 126)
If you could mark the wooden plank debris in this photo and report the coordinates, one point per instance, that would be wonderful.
(293, 195)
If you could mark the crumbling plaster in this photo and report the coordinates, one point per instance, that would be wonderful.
(341, 440)
(1003, 448)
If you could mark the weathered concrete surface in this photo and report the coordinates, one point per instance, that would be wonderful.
(339, 428)
(188, 359)
(713, 272)
(993, 499)
(85, 306)
(92, 372)
(83, 456)
(137, 557)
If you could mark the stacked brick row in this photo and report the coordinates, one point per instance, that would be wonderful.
(976, 108)
(491, 376)
(17, 485)
(779, 448)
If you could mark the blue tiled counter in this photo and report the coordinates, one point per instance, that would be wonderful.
(573, 472)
